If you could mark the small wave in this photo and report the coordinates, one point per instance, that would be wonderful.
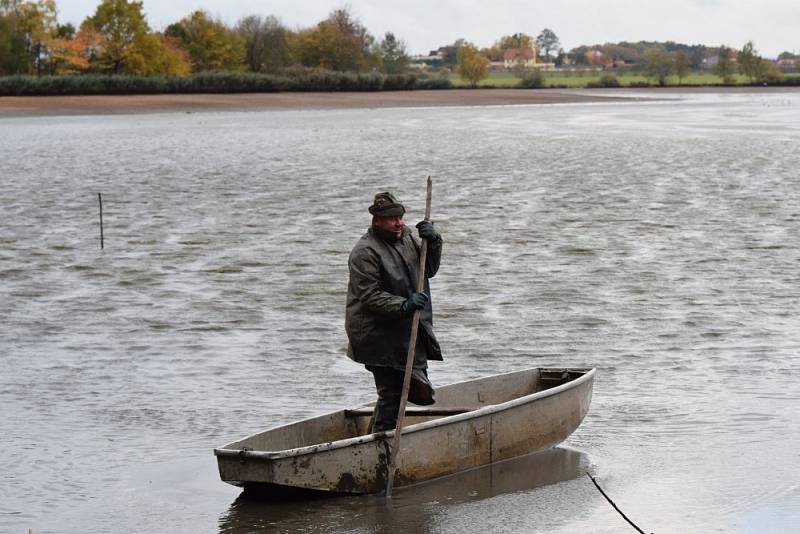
(592, 321)
(204, 328)
(226, 269)
(158, 325)
(28, 294)
(79, 268)
(577, 250)
(766, 247)
(713, 334)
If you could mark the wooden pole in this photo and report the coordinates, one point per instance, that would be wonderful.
(100, 200)
(412, 347)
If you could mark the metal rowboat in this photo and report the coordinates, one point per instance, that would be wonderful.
(473, 423)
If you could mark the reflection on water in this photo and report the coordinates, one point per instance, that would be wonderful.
(656, 241)
(414, 509)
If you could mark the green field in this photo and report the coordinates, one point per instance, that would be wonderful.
(579, 80)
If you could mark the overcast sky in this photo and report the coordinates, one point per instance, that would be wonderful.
(772, 25)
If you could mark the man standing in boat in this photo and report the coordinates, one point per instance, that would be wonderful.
(381, 300)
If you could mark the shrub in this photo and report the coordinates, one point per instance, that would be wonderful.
(771, 75)
(792, 81)
(399, 82)
(215, 82)
(433, 83)
(533, 79)
(318, 80)
(325, 80)
(372, 81)
(608, 79)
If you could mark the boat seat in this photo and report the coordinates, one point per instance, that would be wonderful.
(411, 412)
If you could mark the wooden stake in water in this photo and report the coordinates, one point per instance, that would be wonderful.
(412, 346)
(100, 200)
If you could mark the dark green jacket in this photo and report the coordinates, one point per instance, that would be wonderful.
(382, 276)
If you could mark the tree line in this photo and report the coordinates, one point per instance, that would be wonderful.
(116, 39)
(659, 64)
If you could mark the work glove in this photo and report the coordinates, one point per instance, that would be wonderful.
(427, 232)
(416, 301)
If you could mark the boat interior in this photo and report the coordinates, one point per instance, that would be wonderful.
(451, 400)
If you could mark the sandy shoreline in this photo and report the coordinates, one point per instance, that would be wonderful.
(33, 106)
(44, 106)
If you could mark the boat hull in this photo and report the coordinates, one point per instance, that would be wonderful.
(432, 446)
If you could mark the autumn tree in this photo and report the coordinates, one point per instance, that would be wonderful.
(339, 43)
(170, 58)
(26, 32)
(622, 52)
(126, 45)
(394, 58)
(749, 62)
(580, 55)
(769, 72)
(123, 28)
(65, 31)
(472, 66)
(725, 67)
(41, 27)
(8, 59)
(72, 54)
(210, 43)
(755, 67)
(681, 65)
(13, 57)
(547, 41)
(517, 40)
(658, 65)
(266, 47)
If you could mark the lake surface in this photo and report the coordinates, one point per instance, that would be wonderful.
(657, 241)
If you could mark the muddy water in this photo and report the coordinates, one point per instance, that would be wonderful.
(657, 241)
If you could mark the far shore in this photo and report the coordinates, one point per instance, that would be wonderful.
(33, 106)
(45, 106)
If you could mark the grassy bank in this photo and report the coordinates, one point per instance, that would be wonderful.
(327, 81)
(213, 82)
(581, 80)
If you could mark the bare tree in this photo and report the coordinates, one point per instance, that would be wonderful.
(266, 47)
(547, 41)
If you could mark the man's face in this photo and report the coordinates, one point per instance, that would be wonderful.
(391, 224)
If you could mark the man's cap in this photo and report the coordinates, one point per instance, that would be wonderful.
(386, 205)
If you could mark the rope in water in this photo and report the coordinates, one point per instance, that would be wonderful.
(614, 505)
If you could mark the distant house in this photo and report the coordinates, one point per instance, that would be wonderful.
(598, 58)
(525, 57)
(710, 61)
(421, 62)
